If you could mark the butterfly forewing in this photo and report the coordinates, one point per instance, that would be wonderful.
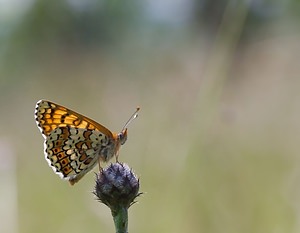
(73, 143)
(49, 116)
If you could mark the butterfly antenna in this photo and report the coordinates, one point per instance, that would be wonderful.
(133, 116)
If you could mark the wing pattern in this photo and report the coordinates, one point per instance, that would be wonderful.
(73, 143)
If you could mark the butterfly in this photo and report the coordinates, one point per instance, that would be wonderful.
(74, 143)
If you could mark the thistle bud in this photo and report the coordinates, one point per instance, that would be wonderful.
(117, 187)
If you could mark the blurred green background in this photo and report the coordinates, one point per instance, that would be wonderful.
(216, 145)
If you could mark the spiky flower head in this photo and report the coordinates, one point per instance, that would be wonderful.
(117, 186)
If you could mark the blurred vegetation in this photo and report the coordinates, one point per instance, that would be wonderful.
(216, 143)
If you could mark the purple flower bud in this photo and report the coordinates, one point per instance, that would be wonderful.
(117, 186)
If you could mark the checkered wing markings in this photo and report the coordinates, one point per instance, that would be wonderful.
(73, 152)
(50, 116)
(73, 143)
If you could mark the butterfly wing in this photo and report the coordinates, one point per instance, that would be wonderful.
(73, 143)
(73, 152)
(50, 116)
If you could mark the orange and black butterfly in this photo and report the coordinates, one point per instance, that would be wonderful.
(74, 143)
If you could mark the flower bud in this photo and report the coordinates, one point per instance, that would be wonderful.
(117, 186)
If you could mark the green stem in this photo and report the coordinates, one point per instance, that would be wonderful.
(120, 216)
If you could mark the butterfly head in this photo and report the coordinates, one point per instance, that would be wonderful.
(122, 137)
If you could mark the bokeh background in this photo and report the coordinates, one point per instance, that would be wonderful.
(216, 145)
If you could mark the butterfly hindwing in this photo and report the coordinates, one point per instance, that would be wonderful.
(73, 152)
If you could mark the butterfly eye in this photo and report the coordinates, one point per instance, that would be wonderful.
(122, 136)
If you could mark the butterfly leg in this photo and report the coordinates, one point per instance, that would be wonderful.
(100, 168)
(117, 157)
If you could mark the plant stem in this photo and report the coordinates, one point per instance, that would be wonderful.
(120, 216)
